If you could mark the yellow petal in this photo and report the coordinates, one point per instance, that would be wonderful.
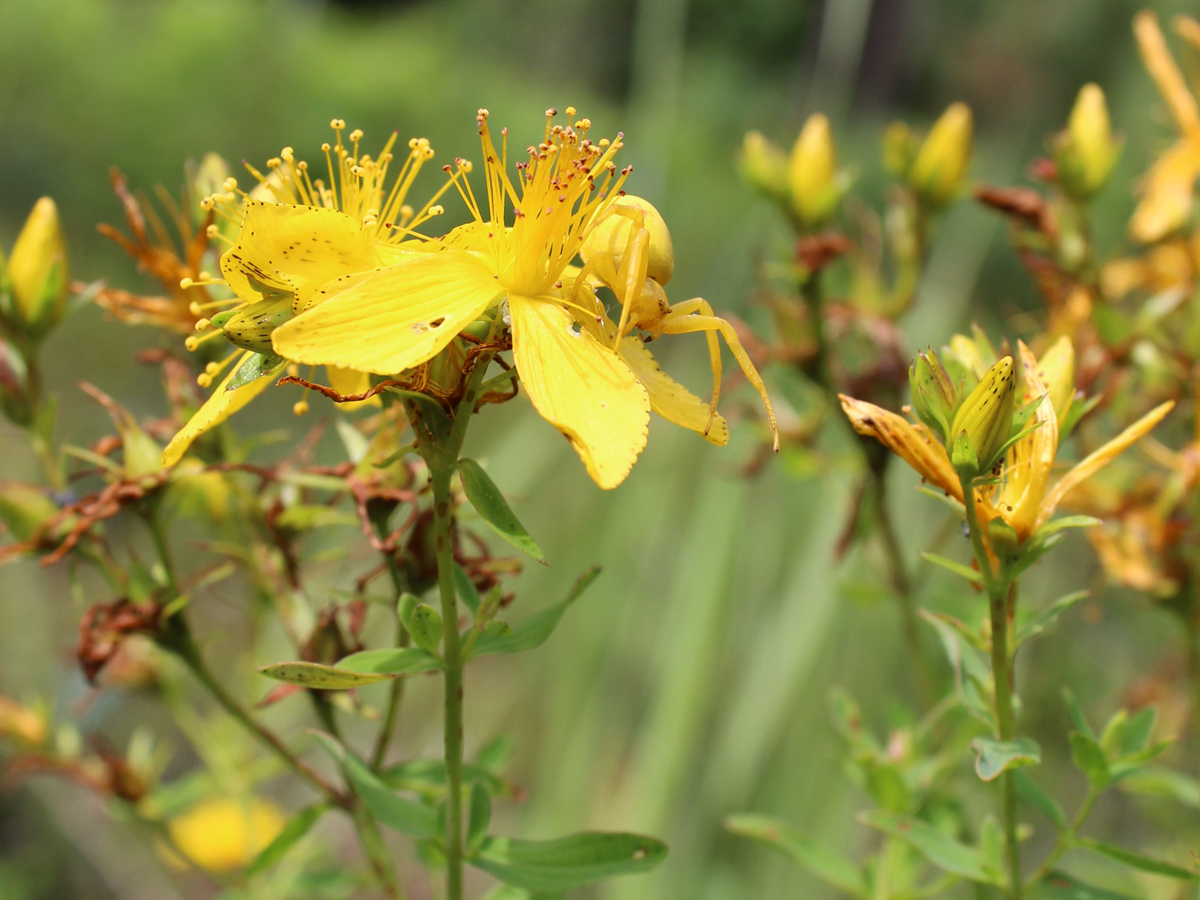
(914, 443)
(293, 250)
(351, 381)
(1031, 459)
(669, 398)
(580, 387)
(1057, 371)
(1100, 458)
(1162, 68)
(391, 319)
(219, 407)
(1166, 203)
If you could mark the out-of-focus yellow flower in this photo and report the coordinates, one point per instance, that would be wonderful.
(1170, 264)
(812, 176)
(1166, 203)
(763, 166)
(1086, 152)
(941, 164)
(36, 281)
(20, 723)
(222, 834)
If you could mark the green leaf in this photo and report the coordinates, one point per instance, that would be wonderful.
(425, 626)
(970, 671)
(1076, 411)
(1156, 781)
(494, 756)
(396, 812)
(1061, 886)
(1064, 522)
(828, 865)
(428, 778)
(1139, 730)
(466, 590)
(319, 677)
(479, 817)
(534, 632)
(1138, 861)
(940, 849)
(567, 862)
(999, 756)
(255, 367)
(390, 661)
(1047, 617)
(296, 828)
(1036, 796)
(1076, 711)
(1089, 758)
(957, 568)
(1122, 768)
(494, 509)
(991, 844)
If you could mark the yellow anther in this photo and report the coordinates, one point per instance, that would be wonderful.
(287, 153)
(229, 184)
(212, 368)
(212, 231)
(337, 124)
(300, 408)
(186, 282)
(202, 324)
(570, 110)
(194, 308)
(191, 342)
(204, 379)
(325, 148)
(356, 134)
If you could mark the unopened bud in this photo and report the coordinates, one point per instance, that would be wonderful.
(251, 327)
(899, 149)
(812, 173)
(204, 180)
(611, 234)
(984, 419)
(934, 396)
(763, 166)
(1086, 152)
(37, 281)
(937, 172)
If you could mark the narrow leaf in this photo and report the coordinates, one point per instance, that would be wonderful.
(494, 509)
(957, 568)
(1089, 758)
(296, 828)
(254, 367)
(1036, 796)
(828, 865)
(319, 677)
(1076, 711)
(425, 626)
(1157, 781)
(940, 849)
(396, 812)
(479, 818)
(1061, 886)
(999, 756)
(465, 589)
(1047, 617)
(1139, 861)
(533, 632)
(568, 862)
(390, 661)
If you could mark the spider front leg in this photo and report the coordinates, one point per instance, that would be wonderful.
(696, 315)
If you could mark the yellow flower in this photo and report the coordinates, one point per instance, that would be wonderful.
(1025, 499)
(578, 381)
(295, 235)
(34, 289)
(222, 834)
(1166, 203)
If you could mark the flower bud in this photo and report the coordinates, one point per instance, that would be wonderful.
(204, 180)
(1086, 152)
(985, 417)
(611, 234)
(812, 173)
(763, 166)
(899, 149)
(37, 277)
(934, 396)
(937, 172)
(251, 326)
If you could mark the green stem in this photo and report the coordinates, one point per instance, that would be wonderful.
(396, 696)
(819, 368)
(1066, 839)
(452, 654)
(377, 853)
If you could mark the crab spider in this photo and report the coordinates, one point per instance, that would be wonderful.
(636, 273)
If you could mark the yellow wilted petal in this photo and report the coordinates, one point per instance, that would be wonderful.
(1097, 460)
(219, 407)
(1162, 68)
(1166, 203)
(391, 319)
(294, 250)
(351, 381)
(914, 443)
(669, 398)
(1031, 459)
(580, 387)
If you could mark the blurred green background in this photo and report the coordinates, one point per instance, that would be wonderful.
(691, 681)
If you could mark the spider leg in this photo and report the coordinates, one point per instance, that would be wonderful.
(630, 274)
(696, 315)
